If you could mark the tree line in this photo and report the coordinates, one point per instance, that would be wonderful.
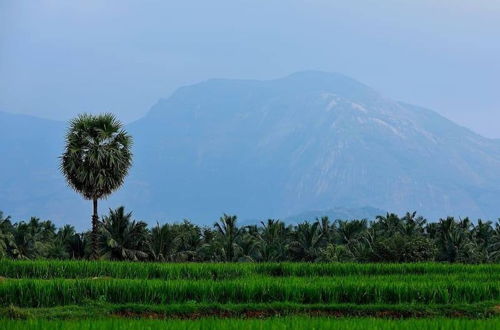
(389, 238)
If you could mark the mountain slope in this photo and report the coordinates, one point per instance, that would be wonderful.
(309, 141)
(30, 182)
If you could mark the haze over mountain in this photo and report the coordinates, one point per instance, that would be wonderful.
(309, 141)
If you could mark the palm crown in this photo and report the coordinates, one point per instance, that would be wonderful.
(97, 156)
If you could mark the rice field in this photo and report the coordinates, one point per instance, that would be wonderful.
(287, 323)
(66, 294)
(44, 269)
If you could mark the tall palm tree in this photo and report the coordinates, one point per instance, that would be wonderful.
(96, 160)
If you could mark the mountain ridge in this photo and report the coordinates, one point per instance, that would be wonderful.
(275, 148)
(254, 99)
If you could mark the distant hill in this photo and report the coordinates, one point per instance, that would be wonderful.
(309, 141)
(30, 183)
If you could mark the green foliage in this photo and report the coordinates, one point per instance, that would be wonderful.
(59, 289)
(306, 242)
(6, 236)
(95, 310)
(123, 238)
(387, 239)
(97, 155)
(290, 323)
(273, 240)
(48, 269)
(353, 289)
(403, 248)
(228, 234)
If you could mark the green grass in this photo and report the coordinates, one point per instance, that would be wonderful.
(288, 323)
(250, 310)
(46, 269)
(352, 289)
(84, 291)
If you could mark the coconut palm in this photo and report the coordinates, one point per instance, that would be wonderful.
(123, 238)
(306, 243)
(6, 237)
(228, 233)
(389, 224)
(164, 242)
(249, 245)
(326, 230)
(351, 230)
(494, 248)
(273, 240)
(96, 160)
(189, 240)
(413, 224)
(32, 239)
(67, 244)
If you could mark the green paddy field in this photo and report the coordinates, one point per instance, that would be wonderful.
(120, 295)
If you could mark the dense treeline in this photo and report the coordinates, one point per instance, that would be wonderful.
(389, 238)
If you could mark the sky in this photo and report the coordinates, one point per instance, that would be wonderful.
(59, 58)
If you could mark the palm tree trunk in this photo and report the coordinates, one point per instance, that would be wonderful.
(95, 230)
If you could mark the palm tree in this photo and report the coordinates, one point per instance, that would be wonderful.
(189, 240)
(164, 242)
(413, 224)
(389, 224)
(249, 244)
(209, 246)
(123, 238)
(453, 240)
(350, 230)
(68, 244)
(273, 240)
(27, 242)
(326, 230)
(96, 160)
(6, 237)
(494, 248)
(307, 241)
(228, 233)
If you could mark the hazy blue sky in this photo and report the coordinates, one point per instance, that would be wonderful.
(58, 58)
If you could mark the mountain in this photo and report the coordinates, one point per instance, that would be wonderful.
(30, 181)
(309, 141)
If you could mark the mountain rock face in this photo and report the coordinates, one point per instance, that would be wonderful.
(306, 142)
(310, 141)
